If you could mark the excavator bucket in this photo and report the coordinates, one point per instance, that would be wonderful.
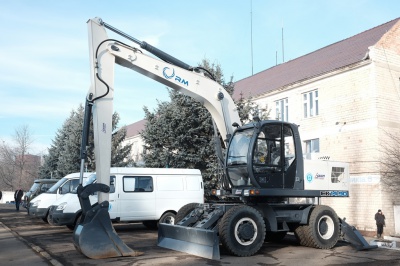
(95, 236)
(196, 241)
(352, 235)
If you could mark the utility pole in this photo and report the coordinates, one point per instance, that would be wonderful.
(251, 34)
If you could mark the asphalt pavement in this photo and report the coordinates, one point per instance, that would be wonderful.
(15, 250)
(29, 241)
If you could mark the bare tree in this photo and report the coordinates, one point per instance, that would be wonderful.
(18, 168)
(390, 162)
(7, 166)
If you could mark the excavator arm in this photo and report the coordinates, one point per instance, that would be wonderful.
(193, 82)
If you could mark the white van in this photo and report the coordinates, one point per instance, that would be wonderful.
(39, 206)
(148, 195)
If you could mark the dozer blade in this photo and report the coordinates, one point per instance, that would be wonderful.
(352, 235)
(195, 241)
(96, 238)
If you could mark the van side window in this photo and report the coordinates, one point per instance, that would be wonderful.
(137, 183)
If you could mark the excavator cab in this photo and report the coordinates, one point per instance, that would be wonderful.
(265, 154)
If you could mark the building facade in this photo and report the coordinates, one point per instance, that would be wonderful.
(344, 97)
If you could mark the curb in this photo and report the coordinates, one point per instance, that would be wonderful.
(41, 252)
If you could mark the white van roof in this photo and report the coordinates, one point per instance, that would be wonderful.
(77, 175)
(154, 171)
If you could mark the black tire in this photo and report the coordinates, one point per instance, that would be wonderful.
(48, 219)
(45, 218)
(184, 211)
(167, 218)
(300, 236)
(242, 231)
(323, 228)
(77, 221)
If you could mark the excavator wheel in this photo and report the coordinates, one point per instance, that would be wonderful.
(242, 230)
(323, 228)
(301, 237)
(184, 211)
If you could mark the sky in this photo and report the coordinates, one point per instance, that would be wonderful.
(44, 54)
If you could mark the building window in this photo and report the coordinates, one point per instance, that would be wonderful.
(312, 146)
(282, 110)
(310, 103)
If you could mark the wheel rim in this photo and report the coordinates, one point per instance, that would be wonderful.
(326, 227)
(169, 220)
(245, 231)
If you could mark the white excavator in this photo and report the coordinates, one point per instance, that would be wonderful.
(268, 189)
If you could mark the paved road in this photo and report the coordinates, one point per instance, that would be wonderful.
(53, 246)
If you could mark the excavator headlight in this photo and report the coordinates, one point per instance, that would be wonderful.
(254, 192)
(216, 192)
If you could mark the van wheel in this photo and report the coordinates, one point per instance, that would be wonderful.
(167, 218)
(77, 221)
(48, 219)
(45, 218)
(184, 211)
(242, 230)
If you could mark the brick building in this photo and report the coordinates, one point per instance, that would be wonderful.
(344, 97)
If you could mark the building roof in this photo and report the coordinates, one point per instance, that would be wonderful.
(135, 128)
(324, 60)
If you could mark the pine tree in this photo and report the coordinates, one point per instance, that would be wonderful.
(64, 153)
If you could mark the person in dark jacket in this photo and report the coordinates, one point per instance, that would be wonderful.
(17, 197)
(380, 223)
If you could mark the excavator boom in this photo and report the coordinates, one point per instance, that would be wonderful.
(175, 74)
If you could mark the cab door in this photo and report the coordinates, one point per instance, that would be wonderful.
(274, 156)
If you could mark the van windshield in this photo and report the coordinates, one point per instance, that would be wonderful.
(54, 188)
(34, 187)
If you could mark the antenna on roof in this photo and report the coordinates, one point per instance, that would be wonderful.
(251, 34)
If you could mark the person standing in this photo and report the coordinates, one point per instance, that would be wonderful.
(17, 197)
(380, 223)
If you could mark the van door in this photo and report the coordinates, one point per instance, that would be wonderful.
(136, 198)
